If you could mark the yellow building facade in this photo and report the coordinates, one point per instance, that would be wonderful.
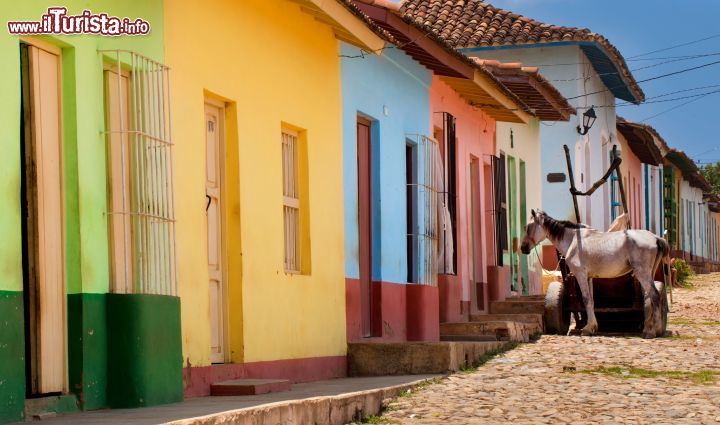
(258, 178)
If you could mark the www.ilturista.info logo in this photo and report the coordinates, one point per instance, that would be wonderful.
(56, 21)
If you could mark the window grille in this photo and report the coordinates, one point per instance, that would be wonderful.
(426, 189)
(141, 207)
(291, 201)
(448, 233)
(614, 190)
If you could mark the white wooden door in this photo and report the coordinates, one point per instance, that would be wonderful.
(213, 190)
(43, 144)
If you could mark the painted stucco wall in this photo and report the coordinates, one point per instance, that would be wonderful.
(84, 145)
(84, 188)
(569, 70)
(693, 212)
(271, 64)
(475, 133)
(525, 146)
(652, 193)
(632, 172)
(393, 91)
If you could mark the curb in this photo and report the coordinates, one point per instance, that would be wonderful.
(327, 410)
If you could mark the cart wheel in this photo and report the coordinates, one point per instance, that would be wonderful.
(663, 306)
(557, 321)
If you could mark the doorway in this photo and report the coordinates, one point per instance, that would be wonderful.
(42, 225)
(513, 224)
(365, 228)
(215, 145)
(476, 234)
(524, 273)
(411, 215)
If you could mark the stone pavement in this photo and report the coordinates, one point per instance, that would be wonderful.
(263, 407)
(590, 380)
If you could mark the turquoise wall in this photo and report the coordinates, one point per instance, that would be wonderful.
(393, 84)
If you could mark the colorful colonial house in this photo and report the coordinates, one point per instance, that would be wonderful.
(409, 134)
(519, 184)
(89, 313)
(584, 66)
(257, 99)
(691, 212)
(642, 151)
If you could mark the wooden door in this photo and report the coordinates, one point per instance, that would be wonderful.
(512, 218)
(524, 272)
(213, 190)
(365, 224)
(476, 235)
(43, 229)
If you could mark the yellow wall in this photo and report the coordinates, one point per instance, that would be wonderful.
(272, 64)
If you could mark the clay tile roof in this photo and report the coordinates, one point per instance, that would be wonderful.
(473, 23)
(644, 140)
(543, 99)
(689, 169)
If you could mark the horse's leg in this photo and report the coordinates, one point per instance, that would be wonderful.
(651, 301)
(592, 326)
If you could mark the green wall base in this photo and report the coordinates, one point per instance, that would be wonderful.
(12, 357)
(87, 349)
(144, 350)
(66, 403)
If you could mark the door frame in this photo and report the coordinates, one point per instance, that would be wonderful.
(31, 360)
(221, 108)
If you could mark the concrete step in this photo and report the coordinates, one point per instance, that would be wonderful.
(468, 338)
(540, 297)
(413, 358)
(517, 307)
(49, 406)
(525, 318)
(503, 330)
(249, 387)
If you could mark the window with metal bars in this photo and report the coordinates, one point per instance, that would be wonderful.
(448, 150)
(293, 208)
(140, 175)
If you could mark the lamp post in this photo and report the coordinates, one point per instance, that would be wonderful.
(589, 118)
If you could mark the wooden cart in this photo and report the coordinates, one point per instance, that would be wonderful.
(618, 301)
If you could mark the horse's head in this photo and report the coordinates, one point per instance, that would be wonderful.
(534, 232)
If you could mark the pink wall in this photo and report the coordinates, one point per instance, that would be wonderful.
(475, 133)
(632, 177)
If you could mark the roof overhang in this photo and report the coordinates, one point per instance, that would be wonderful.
(608, 70)
(537, 93)
(641, 141)
(347, 26)
(458, 71)
(689, 170)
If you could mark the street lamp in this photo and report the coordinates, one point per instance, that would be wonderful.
(589, 118)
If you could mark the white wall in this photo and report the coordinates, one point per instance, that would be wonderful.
(569, 70)
(525, 147)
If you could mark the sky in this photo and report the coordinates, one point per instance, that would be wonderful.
(636, 27)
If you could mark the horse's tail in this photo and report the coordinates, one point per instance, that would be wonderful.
(663, 255)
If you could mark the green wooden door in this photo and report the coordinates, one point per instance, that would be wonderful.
(523, 212)
(513, 223)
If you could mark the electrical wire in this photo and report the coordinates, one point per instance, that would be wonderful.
(676, 46)
(674, 108)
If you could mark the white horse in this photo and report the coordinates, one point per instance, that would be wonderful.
(590, 253)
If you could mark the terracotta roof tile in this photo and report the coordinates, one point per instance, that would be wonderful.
(473, 23)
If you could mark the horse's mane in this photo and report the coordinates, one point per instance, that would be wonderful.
(556, 228)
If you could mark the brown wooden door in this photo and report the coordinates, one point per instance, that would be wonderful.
(213, 190)
(365, 224)
(44, 271)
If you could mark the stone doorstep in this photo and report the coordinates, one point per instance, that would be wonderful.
(48, 406)
(522, 317)
(503, 330)
(469, 338)
(327, 410)
(241, 387)
(526, 298)
(415, 358)
(517, 307)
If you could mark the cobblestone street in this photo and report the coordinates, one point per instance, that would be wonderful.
(572, 379)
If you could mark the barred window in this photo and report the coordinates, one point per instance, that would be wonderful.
(291, 201)
(140, 185)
